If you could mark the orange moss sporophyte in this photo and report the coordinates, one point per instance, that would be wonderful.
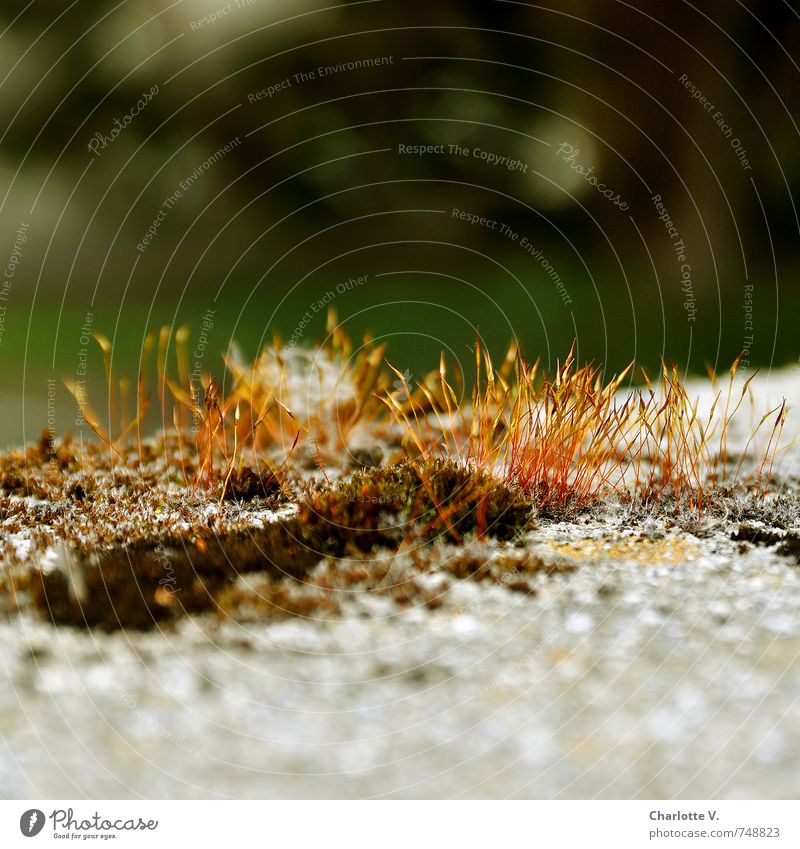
(253, 471)
(563, 441)
(570, 439)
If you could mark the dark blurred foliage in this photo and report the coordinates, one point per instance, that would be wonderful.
(317, 190)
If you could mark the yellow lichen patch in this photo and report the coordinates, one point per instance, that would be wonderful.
(632, 549)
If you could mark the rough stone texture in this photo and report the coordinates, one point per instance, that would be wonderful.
(621, 679)
(666, 665)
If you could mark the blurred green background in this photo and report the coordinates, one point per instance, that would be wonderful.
(158, 161)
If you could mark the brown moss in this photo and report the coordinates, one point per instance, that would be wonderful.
(510, 568)
(269, 599)
(118, 578)
(787, 543)
(756, 535)
(140, 585)
(131, 588)
(431, 500)
(468, 565)
(246, 484)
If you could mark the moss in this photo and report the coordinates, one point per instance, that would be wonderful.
(245, 485)
(135, 587)
(366, 458)
(509, 568)
(787, 543)
(756, 535)
(432, 500)
(267, 598)
(147, 581)
(326, 589)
